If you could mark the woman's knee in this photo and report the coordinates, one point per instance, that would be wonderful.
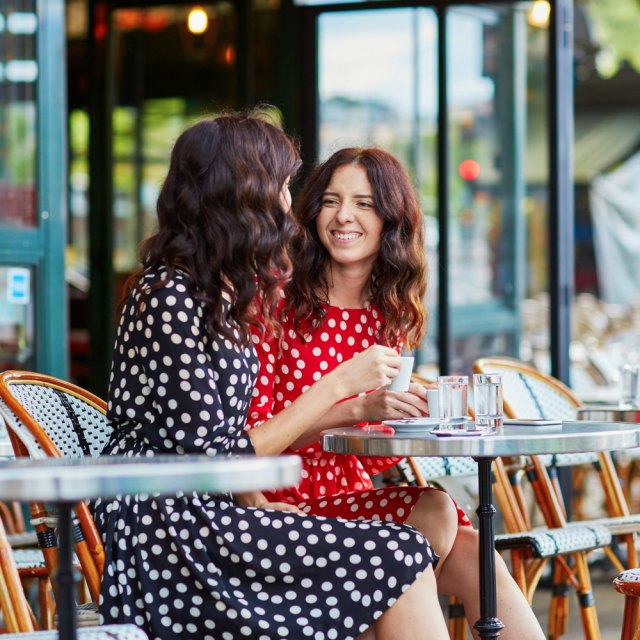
(434, 508)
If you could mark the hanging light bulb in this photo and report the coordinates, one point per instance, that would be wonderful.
(198, 20)
(539, 13)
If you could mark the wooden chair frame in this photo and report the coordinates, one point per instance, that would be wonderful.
(549, 499)
(37, 443)
(525, 546)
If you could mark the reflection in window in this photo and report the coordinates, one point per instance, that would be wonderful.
(497, 206)
(16, 318)
(378, 85)
(18, 75)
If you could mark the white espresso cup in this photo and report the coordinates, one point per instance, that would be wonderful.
(403, 379)
(432, 401)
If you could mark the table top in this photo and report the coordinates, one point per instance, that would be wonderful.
(62, 480)
(566, 437)
(609, 413)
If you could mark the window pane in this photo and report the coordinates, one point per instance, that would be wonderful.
(378, 86)
(18, 75)
(498, 183)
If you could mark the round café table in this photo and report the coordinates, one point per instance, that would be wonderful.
(563, 437)
(602, 412)
(65, 482)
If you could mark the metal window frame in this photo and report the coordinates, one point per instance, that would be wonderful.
(560, 136)
(42, 248)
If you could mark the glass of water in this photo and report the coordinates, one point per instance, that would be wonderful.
(452, 401)
(487, 400)
(629, 377)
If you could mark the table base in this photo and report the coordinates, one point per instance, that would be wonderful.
(489, 625)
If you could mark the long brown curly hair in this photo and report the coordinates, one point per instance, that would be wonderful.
(398, 279)
(221, 221)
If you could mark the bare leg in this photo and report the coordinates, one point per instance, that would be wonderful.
(435, 516)
(459, 577)
(416, 615)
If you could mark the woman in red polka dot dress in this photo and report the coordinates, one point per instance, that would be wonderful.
(359, 279)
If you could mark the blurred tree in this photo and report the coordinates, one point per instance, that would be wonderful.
(615, 27)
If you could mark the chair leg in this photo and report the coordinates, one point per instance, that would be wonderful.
(587, 603)
(630, 628)
(559, 607)
(16, 611)
(457, 622)
(46, 603)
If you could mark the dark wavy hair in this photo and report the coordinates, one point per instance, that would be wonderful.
(399, 275)
(220, 220)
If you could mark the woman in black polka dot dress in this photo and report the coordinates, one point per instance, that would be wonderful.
(211, 566)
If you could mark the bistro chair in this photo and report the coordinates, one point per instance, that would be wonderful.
(529, 393)
(628, 583)
(17, 615)
(49, 417)
(530, 548)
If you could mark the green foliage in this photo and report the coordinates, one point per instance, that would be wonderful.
(615, 25)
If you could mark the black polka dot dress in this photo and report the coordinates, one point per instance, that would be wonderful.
(199, 566)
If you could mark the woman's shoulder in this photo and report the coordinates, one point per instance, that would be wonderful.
(159, 285)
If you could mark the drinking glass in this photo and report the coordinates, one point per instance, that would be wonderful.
(629, 375)
(487, 398)
(452, 401)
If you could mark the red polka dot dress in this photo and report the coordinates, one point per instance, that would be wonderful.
(331, 485)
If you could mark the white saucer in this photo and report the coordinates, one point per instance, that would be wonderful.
(459, 433)
(424, 423)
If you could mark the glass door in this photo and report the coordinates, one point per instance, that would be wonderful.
(32, 174)
(438, 90)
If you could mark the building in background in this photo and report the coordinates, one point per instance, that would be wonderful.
(470, 98)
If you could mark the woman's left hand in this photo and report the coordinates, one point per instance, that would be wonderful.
(282, 506)
(383, 404)
(257, 500)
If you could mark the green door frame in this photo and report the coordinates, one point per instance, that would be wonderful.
(42, 248)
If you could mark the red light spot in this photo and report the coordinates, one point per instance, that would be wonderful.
(469, 169)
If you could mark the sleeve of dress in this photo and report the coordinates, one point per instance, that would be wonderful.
(261, 407)
(182, 376)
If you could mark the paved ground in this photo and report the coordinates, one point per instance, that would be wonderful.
(609, 604)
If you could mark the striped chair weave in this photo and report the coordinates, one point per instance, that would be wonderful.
(434, 468)
(28, 558)
(548, 543)
(107, 632)
(528, 396)
(75, 427)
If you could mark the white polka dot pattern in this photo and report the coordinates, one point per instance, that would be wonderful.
(199, 566)
(288, 372)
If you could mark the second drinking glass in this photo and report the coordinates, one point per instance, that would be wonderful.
(487, 401)
(452, 401)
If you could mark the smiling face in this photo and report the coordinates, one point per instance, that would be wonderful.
(348, 224)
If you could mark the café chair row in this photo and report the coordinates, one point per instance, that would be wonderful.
(48, 417)
(529, 393)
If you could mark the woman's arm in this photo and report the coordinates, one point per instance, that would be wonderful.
(380, 404)
(371, 369)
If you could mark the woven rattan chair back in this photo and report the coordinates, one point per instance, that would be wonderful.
(54, 418)
(528, 393)
(49, 417)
